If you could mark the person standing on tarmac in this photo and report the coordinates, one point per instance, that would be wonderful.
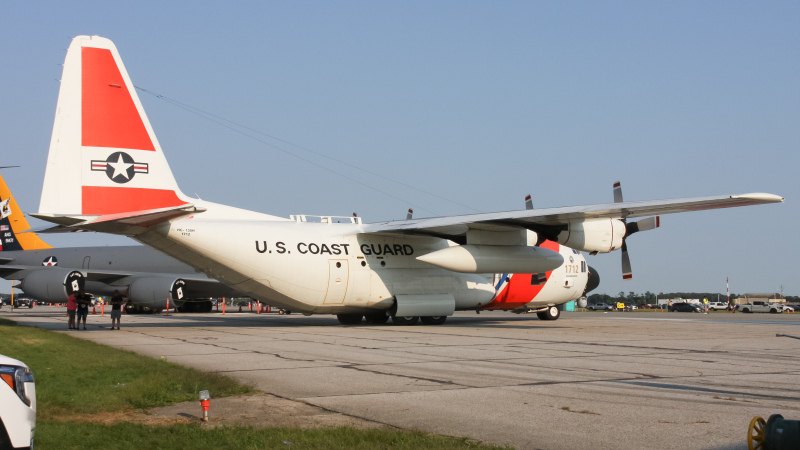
(116, 308)
(705, 305)
(83, 309)
(72, 305)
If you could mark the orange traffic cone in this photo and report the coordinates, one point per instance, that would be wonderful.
(94, 310)
(240, 308)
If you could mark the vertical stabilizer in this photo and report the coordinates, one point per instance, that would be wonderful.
(104, 156)
(13, 225)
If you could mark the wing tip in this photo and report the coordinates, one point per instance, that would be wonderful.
(760, 197)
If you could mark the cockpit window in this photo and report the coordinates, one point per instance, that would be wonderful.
(538, 279)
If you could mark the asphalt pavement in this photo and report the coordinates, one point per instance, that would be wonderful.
(588, 380)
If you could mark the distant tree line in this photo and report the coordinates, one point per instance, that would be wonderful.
(650, 298)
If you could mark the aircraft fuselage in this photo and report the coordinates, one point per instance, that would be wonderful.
(334, 268)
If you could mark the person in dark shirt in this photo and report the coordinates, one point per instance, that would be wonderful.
(116, 308)
(83, 302)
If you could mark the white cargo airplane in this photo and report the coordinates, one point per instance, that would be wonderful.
(106, 172)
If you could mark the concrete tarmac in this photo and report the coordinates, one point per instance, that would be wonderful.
(588, 380)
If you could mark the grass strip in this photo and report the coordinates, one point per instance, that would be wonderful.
(81, 435)
(79, 378)
(76, 376)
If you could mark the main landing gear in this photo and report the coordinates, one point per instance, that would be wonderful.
(551, 313)
(381, 318)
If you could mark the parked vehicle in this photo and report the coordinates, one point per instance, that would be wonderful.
(717, 306)
(762, 306)
(685, 307)
(20, 302)
(17, 404)
(600, 307)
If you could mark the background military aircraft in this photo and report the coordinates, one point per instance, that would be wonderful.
(147, 276)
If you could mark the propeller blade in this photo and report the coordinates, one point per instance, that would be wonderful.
(617, 192)
(642, 225)
(626, 262)
(630, 228)
(649, 223)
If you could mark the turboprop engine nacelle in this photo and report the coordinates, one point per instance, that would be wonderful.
(593, 235)
(154, 291)
(494, 259)
(52, 284)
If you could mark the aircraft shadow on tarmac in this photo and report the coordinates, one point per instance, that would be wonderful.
(271, 320)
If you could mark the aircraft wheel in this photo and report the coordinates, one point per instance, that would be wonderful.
(281, 312)
(755, 433)
(377, 318)
(552, 313)
(433, 320)
(349, 319)
(410, 320)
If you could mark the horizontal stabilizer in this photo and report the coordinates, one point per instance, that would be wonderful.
(119, 222)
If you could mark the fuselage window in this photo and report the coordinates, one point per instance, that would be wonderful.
(538, 279)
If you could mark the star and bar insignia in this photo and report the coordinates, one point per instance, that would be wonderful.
(120, 167)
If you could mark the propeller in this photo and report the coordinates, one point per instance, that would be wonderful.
(630, 228)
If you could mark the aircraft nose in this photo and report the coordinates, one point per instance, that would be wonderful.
(593, 282)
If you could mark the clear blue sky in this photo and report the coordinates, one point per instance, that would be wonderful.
(480, 103)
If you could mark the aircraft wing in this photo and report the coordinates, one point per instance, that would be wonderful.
(7, 272)
(455, 227)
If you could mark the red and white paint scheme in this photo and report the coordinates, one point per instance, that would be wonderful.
(106, 172)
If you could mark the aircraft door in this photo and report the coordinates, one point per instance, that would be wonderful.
(339, 274)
